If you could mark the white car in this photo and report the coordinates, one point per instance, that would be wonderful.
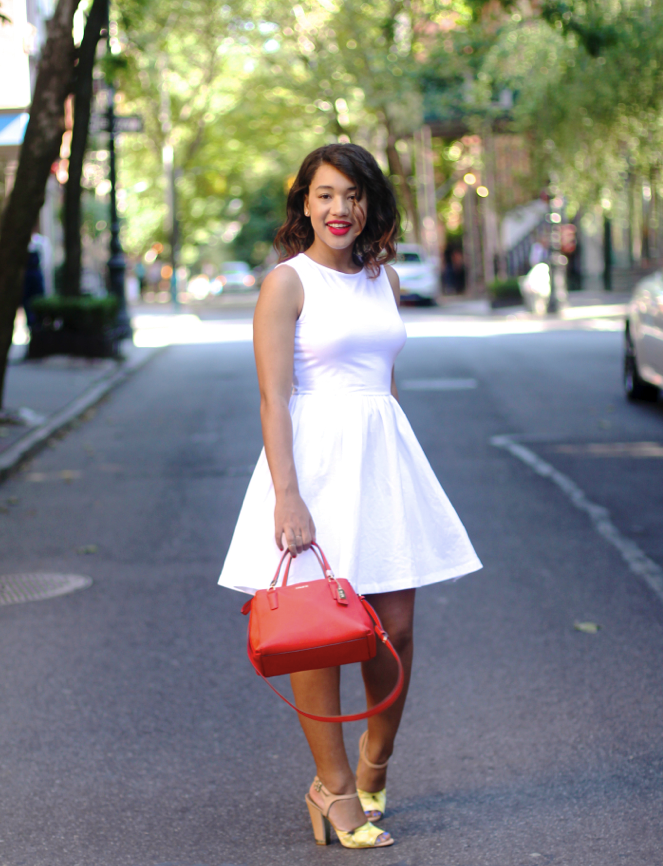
(236, 277)
(418, 273)
(643, 340)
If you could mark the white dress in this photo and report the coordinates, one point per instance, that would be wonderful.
(380, 513)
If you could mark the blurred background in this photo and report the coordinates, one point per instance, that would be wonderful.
(514, 133)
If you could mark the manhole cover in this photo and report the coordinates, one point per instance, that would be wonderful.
(15, 588)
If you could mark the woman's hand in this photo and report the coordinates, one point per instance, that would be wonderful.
(293, 524)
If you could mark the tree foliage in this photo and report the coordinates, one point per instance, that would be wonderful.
(252, 89)
(589, 85)
(243, 91)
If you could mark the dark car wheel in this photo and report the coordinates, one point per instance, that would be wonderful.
(635, 387)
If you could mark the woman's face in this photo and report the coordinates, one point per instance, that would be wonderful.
(338, 217)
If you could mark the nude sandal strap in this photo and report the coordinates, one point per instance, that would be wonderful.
(328, 797)
(362, 752)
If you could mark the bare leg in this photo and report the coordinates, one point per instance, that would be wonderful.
(396, 611)
(318, 692)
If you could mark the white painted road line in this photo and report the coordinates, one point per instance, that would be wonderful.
(437, 384)
(635, 558)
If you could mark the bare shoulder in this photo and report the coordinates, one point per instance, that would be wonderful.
(395, 283)
(281, 289)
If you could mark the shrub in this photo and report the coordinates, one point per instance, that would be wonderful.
(504, 288)
(80, 314)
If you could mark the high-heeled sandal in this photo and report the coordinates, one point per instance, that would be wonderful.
(374, 804)
(365, 836)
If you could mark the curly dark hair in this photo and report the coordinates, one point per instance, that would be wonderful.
(377, 243)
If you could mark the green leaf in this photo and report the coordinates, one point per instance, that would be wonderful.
(586, 627)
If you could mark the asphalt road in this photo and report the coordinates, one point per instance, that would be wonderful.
(133, 732)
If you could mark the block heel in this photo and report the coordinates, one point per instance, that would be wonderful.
(321, 825)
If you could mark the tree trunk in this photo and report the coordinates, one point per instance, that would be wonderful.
(396, 167)
(41, 147)
(82, 109)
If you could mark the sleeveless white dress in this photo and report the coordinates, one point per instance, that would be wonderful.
(380, 513)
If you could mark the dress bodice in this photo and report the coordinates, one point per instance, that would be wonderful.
(349, 332)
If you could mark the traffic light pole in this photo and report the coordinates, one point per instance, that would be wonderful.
(116, 262)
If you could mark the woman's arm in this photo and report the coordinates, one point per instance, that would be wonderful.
(279, 305)
(396, 289)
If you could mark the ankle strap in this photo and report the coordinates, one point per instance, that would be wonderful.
(330, 798)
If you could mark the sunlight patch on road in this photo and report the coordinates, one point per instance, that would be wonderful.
(153, 331)
(455, 327)
(597, 311)
(187, 329)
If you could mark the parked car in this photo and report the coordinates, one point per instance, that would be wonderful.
(235, 277)
(643, 340)
(419, 274)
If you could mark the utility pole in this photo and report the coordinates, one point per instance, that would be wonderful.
(558, 260)
(471, 238)
(607, 253)
(116, 262)
(168, 157)
(426, 198)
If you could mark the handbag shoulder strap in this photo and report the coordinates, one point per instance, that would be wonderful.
(384, 704)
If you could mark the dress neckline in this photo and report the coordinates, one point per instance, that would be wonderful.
(333, 270)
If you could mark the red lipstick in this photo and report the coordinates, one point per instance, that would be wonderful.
(339, 227)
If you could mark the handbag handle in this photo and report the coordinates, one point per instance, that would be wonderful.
(319, 555)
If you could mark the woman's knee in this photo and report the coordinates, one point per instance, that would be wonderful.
(401, 636)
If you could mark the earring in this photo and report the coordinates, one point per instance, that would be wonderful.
(306, 213)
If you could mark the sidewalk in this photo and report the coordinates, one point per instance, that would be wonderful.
(587, 299)
(49, 394)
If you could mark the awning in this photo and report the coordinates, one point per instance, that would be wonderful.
(12, 129)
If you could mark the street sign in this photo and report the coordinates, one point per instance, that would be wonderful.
(128, 123)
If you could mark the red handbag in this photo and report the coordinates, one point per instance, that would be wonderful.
(319, 624)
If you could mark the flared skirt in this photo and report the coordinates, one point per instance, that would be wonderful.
(380, 513)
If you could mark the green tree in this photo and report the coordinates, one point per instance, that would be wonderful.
(355, 70)
(252, 90)
(185, 66)
(40, 148)
(82, 91)
(588, 84)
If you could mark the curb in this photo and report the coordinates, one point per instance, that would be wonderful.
(37, 437)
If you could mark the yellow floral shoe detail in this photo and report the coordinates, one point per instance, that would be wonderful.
(365, 836)
(373, 804)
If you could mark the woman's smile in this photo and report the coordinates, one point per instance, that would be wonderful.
(339, 227)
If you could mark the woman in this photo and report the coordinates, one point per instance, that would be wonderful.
(341, 462)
